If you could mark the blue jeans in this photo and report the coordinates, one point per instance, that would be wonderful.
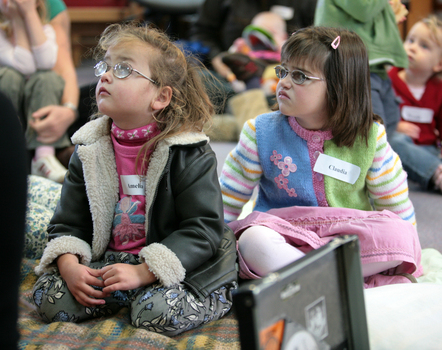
(385, 103)
(419, 161)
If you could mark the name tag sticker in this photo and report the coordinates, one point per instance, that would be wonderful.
(417, 114)
(133, 185)
(336, 168)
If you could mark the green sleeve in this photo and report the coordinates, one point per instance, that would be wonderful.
(55, 7)
(363, 10)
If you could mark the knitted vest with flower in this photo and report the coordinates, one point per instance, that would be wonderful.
(288, 152)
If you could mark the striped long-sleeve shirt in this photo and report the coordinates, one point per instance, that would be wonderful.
(276, 154)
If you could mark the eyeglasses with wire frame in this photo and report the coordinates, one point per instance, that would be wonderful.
(121, 70)
(298, 76)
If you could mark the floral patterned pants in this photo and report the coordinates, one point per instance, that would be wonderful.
(168, 311)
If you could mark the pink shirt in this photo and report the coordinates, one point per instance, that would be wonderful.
(128, 232)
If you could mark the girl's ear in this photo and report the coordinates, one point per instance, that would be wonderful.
(163, 98)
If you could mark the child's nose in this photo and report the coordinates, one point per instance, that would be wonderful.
(286, 81)
(107, 76)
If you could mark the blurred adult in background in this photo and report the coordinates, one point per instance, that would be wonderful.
(52, 121)
(28, 53)
(60, 117)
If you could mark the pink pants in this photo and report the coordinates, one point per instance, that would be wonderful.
(385, 238)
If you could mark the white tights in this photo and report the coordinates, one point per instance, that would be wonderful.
(264, 250)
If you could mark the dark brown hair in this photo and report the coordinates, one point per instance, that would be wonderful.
(190, 107)
(347, 76)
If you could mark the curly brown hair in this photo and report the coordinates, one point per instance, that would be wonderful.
(190, 107)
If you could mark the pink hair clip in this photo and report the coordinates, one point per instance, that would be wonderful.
(336, 42)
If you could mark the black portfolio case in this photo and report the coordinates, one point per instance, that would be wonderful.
(317, 302)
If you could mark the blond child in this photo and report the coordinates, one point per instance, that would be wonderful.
(419, 87)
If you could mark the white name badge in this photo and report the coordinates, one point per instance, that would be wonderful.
(417, 114)
(337, 168)
(133, 185)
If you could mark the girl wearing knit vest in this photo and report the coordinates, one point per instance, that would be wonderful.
(321, 162)
(140, 222)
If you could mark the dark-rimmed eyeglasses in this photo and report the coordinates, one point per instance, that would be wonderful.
(298, 76)
(121, 70)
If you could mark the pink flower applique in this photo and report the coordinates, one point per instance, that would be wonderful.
(287, 166)
(275, 157)
(281, 181)
(291, 192)
(120, 134)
